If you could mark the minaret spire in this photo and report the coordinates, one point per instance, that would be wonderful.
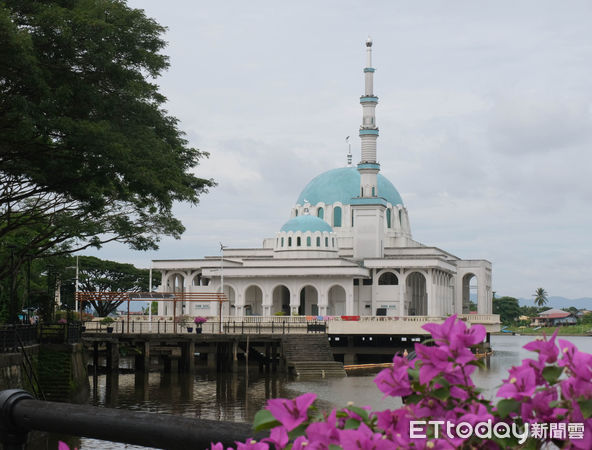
(368, 166)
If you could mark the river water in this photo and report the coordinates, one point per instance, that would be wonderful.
(237, 397)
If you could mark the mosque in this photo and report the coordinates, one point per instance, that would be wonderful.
(346, 250)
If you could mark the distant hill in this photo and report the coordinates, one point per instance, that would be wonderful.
(561, 302)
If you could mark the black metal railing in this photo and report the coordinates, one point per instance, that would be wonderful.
(20, 413)
(12, 337)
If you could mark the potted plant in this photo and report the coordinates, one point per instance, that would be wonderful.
(198, 322)
(184, 321)
(108, 321)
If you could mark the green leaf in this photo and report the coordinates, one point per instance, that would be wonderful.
(412, 399)
(351, 424)
(298, 431)
(586, 408)
(552, 373)
(441, 393)
(360, 412)
(441, 381)
(264, 420)
(507, 406)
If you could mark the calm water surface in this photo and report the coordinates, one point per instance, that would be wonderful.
(237, 397)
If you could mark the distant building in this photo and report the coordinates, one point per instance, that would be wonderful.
(555, 317)
(346, 250)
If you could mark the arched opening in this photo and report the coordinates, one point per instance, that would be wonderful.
(373, 191)
(309, 301)
(253, 301)
(176, 284)
(296, 213)
(388, 279)
(298, 241)
(289, 242)
(321, 213)
(337, 216)
(308, 241)
(336, 301)
(282, 242)
(318, 241)
(197, 280)
(326, 242)
(228, 308)
(469, 293)
(417, 297)
(280, 300)
(388, 218)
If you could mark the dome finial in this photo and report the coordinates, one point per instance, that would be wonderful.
(349, 153)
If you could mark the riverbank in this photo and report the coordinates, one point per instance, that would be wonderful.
(568, 330)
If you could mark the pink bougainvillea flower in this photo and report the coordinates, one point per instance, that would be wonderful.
(216, 446)
(278, 436)
(435, 360)
(291, 413)
(251, 444)
(521, 384)
(364, 439)
(547, 349)
(394, 381)
(579, 363)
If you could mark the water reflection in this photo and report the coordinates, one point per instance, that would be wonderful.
(238, 396)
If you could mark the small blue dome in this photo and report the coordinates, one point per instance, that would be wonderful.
(306, 223)
(343, 184)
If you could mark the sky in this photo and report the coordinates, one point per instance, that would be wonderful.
(485, 117)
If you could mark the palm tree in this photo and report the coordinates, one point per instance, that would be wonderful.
(540, 297)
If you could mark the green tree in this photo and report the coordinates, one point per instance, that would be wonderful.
(508, 308)
(97, 275)
(88, 154)
(540, 297)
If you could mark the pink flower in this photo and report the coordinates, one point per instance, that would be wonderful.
(434, 360)
(216, 446)
(278, 436)
(291, 413)
(547, 350)
(521, 383)
(394, 381)
(251, 444)
(364, 439)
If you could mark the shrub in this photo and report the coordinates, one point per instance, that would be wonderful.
(545, 401)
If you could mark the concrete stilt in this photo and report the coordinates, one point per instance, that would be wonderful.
(213, 356)
(112, 356)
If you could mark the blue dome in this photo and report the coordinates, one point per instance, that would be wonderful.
(306, 223)
(343, 184)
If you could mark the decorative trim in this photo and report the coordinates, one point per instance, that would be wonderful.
(368, 201)
(369, 99)
(369, 132)
(369, 69)
(375, 166)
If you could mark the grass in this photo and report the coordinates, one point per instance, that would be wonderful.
(567, 330)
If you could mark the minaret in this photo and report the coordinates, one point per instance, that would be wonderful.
(368, 167)
(368, 210)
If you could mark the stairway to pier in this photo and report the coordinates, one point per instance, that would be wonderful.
(310, 356)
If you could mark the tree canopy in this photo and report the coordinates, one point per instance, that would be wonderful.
(88, 154)
(507, 307)
(541, 298)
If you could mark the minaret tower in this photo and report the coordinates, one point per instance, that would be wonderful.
(368, 167)
(368, 210)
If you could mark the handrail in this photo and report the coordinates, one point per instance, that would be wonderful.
(20, 413)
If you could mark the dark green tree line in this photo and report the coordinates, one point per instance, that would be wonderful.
(88, 154)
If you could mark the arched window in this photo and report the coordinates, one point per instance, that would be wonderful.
(298, 241)
(289, 242)
(388, 278)
(352, 218)
(321, 213)
(282, 242)
(308, 241)
(326, 242)
(296, 213)
(337, 216)
(388, 218)
(333, 242)
(373, 191)
(401, 217)
(318, 241)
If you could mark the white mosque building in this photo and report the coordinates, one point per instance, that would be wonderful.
(347, 249)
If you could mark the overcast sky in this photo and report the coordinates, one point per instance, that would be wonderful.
(485, 117)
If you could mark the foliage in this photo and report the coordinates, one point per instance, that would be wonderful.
(508, 309)
(541, 298)
(107, 320)
(88, 154)
(183, 320)
(553, 389)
